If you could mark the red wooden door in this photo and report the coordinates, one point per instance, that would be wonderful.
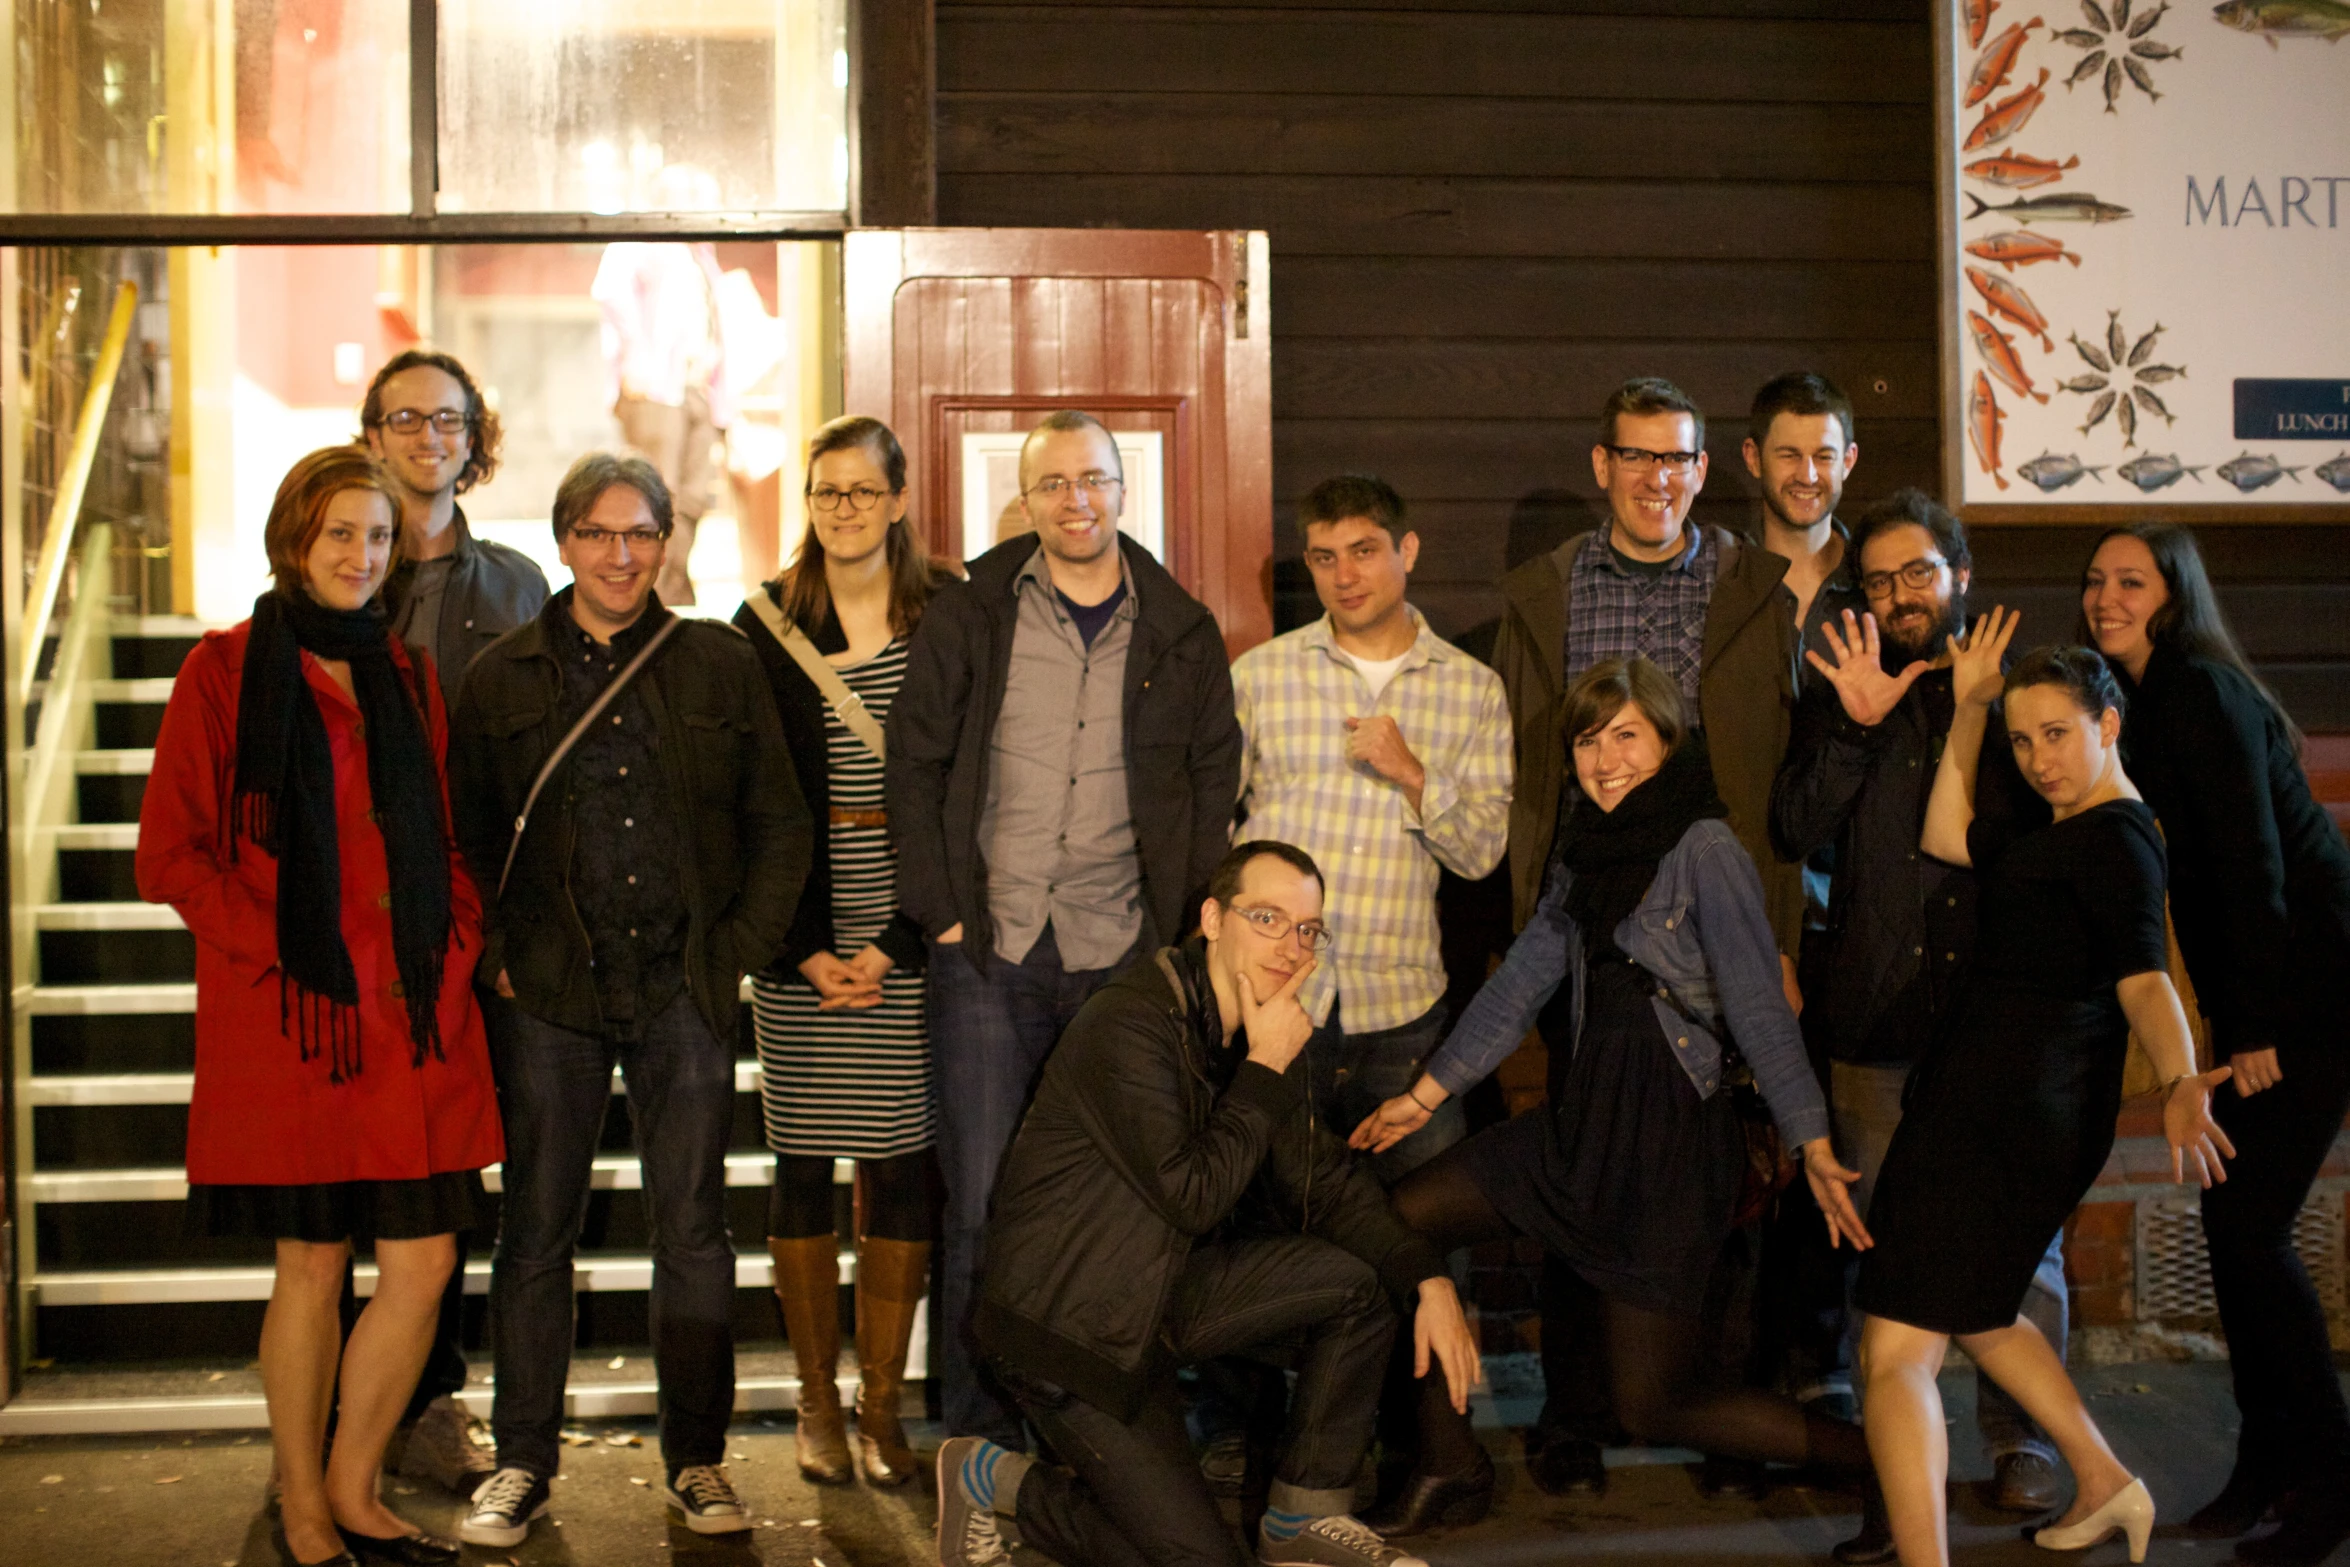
(963, 338)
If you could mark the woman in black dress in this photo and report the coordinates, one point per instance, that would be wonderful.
(2260, 893)
(1652, 917)
(2010, 1116)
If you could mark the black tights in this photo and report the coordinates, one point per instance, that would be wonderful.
(897, 1196)
(1656, 1361)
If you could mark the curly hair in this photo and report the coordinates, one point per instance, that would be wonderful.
(483, 431)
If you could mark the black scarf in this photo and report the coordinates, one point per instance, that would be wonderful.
(1614, 854)
(284, 802)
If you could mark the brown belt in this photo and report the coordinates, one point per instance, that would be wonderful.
(842, 816)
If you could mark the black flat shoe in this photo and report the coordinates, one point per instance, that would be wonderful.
(1735, 1479)
(1569, 1468)
(1429, 1501)
(1874, 1543)
(406, 1550)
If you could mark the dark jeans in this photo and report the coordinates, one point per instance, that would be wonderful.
(554, 1087)
(1132, 1495)
(989, 1035)
(2295, 1423)
(1354, 1074)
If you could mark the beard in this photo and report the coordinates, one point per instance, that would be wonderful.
(1897, 650)
(1778, 511)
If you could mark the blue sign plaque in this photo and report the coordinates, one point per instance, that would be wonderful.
(2293, 410)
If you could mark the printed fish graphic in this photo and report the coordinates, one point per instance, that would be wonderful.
(2009, 115)
(2154, 49)
(2116, 343)
(2151, 473)
(2252, 471)
(2113, 85)
(2145, 24)
(2140, 77)
(2091, 354)
(2337, 473)
(2153, 405)
(2156, 374)
(1978, 19)
(2274, 19)
(2143, 346)
(2099, 409)
(2125, 414)
(1983, 418)
(2067, 207)
(2020, 248)
(2096, 15)
(2019, 170)
(2084, 383)
(1999, 356)
(2052, 472)
(2005, 299)
(2079, 37)
(1992, 67)
(2089, 66)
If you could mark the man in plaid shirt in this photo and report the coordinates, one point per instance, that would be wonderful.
(1385, 753)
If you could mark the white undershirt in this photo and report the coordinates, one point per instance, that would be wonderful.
(1379, 671)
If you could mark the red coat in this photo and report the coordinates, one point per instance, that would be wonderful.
(261, 1115)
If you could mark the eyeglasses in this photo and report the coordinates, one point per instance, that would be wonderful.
(605, 538)
(1056, 487)
(1274, 924)
(407, 421)
(1919, 573)
(863, 498)
(1640, 459)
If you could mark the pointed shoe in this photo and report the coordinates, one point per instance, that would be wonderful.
(1430, 1501)
(2129, 1512)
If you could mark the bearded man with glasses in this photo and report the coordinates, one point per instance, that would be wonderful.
(1063, 759)
(1172, 1198)
(628, 887)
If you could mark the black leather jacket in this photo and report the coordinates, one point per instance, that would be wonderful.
(747, 831)
(1149, 1133)
(492, 588)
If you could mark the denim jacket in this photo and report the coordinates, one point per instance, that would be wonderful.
(1700, 930)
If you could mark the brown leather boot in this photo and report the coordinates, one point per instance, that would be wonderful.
(807, 1282)
(890, 1276)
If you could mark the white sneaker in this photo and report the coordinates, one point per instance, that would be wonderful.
(1335, 1541)
(967, 1532)
(702, 1493)
(504, 1507)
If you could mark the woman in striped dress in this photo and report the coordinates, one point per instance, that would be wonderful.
(843, 1055)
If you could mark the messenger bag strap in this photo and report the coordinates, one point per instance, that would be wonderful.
(847, 706)
(563, 746)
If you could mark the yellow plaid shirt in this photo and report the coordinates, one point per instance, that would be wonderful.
(1379, 857)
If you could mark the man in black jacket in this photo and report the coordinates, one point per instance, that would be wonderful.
(1171, 1198)
(1900, 924)
(662, 860)
(1063, 760)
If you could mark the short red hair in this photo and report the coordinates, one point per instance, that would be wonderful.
(299, 511)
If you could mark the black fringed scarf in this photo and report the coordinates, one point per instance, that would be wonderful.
(284, 802)
(1614, 854)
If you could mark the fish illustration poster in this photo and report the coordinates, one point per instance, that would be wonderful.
(2145, 235)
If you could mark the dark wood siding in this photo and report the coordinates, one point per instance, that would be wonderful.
(1486, 214)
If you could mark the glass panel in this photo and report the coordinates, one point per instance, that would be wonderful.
(643, 106)
(208, 106)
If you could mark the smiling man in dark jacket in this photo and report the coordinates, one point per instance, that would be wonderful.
(1170, 1199)
(1063, 759)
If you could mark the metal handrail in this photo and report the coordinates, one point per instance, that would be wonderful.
(65, 508)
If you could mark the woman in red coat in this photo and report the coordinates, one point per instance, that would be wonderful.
(297, 820)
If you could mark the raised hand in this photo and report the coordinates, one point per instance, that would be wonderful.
(1378, 743)
(2195, 1138)
(1858, 674)
(1277, 1027)
(1977, 659)
(1831, 1186)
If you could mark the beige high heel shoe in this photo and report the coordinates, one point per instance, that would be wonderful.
(2130, 1511)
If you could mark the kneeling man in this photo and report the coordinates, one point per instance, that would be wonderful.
(1170, 1198)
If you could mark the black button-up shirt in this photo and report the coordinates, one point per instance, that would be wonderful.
(628, 844)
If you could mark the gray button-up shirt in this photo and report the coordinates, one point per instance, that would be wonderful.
(1057, 828)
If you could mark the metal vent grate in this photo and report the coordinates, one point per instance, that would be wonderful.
(2173, 1274)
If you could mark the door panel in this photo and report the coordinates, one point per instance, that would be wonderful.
(958, 332)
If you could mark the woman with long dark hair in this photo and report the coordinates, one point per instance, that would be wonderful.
(2010, 1114)
(2260, 895)
(297, 819)
(843, 1054)
(1652, 915)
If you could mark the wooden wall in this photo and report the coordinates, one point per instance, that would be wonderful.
(1486, 213)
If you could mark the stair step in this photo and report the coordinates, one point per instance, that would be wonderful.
(99, 835)
(174, 1088)
(114, 764)
(598, 1274)
(611, 1173)
(150, 689)
(162, 626)
(103, 1000)
(107, 916)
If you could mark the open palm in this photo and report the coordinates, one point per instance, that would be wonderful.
(1858, 674)
(1978, 659)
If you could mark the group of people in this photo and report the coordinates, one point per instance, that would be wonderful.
(1147, 973)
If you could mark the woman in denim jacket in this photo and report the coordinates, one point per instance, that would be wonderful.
(1653, 916)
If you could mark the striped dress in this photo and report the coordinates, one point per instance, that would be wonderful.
(854, 1083)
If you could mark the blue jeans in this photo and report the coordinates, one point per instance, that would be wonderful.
(989, 1035)
(1354, 1074)
(1866, 1102)
(554, 1087)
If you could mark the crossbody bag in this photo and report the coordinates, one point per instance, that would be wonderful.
(846, 705)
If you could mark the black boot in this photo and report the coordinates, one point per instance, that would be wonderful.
(1874, 1543)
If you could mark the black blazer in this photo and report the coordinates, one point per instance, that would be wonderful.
(802, 707)
(2259, 876)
